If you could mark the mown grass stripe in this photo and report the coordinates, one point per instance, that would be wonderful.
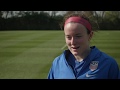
(30, 54)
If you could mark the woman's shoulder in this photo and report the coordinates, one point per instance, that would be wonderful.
(103, 58)
(61, 57)
(101, 54)
(108, 57)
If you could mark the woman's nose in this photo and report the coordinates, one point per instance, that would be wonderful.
(73, 41)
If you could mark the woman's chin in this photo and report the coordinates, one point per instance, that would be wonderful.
(74, 52)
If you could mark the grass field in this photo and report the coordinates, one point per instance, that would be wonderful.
(29, 54)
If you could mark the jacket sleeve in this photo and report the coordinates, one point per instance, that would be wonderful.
(114, 72)
(51, 71)
(50, 74)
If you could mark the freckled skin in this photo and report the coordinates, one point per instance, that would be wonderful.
(77, 39)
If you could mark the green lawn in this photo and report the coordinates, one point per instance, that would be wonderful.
(29, 54)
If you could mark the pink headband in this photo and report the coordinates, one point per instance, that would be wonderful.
(79, 20)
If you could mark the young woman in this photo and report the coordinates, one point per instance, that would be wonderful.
(82, 61)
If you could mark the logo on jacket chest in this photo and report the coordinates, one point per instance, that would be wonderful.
(93, 65)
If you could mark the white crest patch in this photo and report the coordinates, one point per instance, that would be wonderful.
(93, 65)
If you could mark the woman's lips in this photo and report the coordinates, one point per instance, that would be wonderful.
(75, 47)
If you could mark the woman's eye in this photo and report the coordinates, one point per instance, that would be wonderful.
(68, 37)
(78, 36)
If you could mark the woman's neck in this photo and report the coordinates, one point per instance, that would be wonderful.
(83, 55)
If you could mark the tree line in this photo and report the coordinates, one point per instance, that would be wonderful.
(41, 20)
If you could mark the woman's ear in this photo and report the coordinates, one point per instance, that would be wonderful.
(90, 35)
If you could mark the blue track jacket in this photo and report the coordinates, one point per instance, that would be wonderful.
(98, 65)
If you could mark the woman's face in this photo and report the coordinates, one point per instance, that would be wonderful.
(77, 38)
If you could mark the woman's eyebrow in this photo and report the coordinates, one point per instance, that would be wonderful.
(78, 34)
(75, 34)
(67, 35)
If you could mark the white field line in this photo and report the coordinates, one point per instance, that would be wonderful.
(63, 47)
